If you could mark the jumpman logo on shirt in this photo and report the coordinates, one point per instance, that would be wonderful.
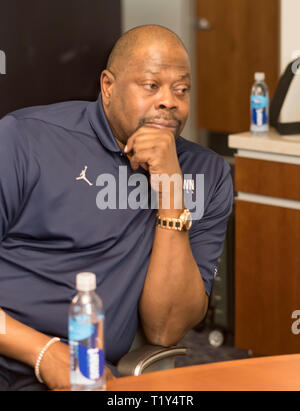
(83, 177)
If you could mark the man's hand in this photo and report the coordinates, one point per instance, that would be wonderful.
(154, 149)
(55, 367)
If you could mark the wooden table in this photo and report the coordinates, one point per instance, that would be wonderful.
(280, 373)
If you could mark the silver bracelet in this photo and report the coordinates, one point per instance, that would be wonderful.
(40, 357)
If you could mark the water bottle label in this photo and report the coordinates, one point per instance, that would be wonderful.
(87, 358)
(258, 102)
(259, 106)
(90, 362)
(80, 328)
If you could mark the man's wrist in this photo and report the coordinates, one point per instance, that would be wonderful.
(40, 341)
(170, 213)
(56, 352)
(41, 356)
(171, 205)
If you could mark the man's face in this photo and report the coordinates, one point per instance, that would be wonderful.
(153, 90)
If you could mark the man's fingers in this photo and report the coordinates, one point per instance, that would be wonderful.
(143, 143)
(144, 146)
(138, 152)
(133, 163)
(144, 133)
(109, 374)
(143, 156)
(130, 143)
(136, 138)
(145, 166)
(140, 158)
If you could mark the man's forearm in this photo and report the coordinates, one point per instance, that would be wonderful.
(21, 342)
(173, 298)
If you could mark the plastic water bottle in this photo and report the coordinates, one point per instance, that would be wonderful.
(259, 103)
(86, 332)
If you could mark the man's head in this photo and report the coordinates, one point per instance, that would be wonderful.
(147, 82)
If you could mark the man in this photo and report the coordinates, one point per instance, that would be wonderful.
(53, 225)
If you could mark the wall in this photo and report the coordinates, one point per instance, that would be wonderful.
(55, 50)
(290, 42)
(177, 15)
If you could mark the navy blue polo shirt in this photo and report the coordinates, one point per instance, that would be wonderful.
(51, 227)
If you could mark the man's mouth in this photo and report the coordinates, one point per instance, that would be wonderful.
(171, 125)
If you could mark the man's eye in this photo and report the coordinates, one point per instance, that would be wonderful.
(182, 91)
(151, 86)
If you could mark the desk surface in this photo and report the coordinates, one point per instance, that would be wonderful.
(280, 373)
(272, 143)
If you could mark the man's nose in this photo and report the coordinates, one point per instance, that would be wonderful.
(166, 99)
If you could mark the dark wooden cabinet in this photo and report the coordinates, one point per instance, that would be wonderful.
(267, 278)
(268, 178)
(267, 257)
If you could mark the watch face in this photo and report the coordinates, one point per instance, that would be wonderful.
(187, 219)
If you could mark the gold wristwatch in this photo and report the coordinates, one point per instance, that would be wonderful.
(183, 223)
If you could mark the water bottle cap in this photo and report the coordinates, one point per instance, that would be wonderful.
(86, 282)
(259, 76)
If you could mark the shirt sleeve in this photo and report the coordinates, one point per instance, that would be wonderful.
(14, 167)
(207, 235)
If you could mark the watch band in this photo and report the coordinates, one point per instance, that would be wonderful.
(170, 223)
(183, 223)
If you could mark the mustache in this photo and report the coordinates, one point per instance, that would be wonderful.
(147, 120)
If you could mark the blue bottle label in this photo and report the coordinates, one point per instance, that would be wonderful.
(87, 356)
(90, 362)
(259, 105)
(259, 102)
(80, 328)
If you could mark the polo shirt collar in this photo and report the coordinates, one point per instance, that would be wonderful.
(101, 127)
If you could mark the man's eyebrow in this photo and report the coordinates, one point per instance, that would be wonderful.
(156, 73)
(186, 76)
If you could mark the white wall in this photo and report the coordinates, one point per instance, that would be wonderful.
(178, 16)
(290, 42)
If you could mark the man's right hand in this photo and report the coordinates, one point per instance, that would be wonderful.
(55, 366)
(24, 344)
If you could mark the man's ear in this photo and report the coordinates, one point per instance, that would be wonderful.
(107, 81)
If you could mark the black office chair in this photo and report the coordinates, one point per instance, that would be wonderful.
(144, 357)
